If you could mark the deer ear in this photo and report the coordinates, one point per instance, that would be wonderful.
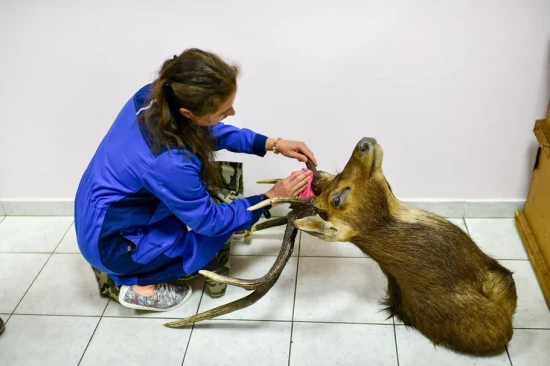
(326, 176)
(318, 227)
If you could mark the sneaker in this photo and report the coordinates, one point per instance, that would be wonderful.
(165, 297)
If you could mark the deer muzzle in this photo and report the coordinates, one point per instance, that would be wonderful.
(365, 145)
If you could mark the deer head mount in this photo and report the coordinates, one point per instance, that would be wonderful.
(439, 281)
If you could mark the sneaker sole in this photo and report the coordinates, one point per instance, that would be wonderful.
(141, 307)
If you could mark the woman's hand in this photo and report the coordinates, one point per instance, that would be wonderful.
(295, 149)
(293, 185)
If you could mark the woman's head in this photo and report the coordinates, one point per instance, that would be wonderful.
(200, 85)
(193, 91)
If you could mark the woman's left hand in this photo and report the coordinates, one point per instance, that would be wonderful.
(295, 149)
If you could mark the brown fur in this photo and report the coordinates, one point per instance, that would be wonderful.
(439, 281)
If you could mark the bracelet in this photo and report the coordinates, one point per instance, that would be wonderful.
(275, 145)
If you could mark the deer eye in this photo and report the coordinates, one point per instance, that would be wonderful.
(339, 198)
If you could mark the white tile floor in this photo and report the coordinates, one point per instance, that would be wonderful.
(324, 310)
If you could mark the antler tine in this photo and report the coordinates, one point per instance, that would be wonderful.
(280, 199)
(264, 225)
(268, 181)
(313, 168)
(261, 286)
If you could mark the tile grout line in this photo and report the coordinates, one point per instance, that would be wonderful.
(294, 300)
(239, 320)
(395, 338)
(193, 326)
(467, 228)
(71, 315)
(32, 283)
(523, 328)
(509, 357)
(229, 320)
(63, 237)
(93, 333)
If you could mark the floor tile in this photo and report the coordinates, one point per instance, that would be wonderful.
(68, 243)
(2, 218)
(415, 349)
(21, 269)
(340, 290)
(32, 234)
(498, 238)
(311, 246)
(342, 344)
(66, 286)
(532, 311)
(529, 347)
(239, 343)
(263, 242)
(275, 305)
(187, 309)
(130, 341)
(5, 317)
(45, 340)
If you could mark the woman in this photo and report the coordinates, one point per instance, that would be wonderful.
(143, 214)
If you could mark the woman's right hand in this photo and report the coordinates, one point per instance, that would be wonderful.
(292, 186)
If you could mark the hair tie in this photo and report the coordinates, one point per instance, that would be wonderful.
(168, 82)
(175, 57)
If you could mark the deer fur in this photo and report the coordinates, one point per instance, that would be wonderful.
(439, 281)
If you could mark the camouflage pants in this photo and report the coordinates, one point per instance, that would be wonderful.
(231, 188)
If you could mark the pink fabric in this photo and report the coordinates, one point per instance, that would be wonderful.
(308, 192)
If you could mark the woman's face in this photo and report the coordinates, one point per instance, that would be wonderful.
(225, 110)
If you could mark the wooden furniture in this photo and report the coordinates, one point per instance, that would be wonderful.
(533, 222)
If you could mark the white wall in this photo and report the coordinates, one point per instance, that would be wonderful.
(451, 89)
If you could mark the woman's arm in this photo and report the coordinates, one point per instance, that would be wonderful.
(175, 179)
(244, 140)
(239, 140)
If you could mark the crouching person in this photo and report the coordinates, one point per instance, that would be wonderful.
(152, 206)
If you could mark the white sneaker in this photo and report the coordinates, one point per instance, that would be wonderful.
(165, 297)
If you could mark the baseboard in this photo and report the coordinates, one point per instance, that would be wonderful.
(449, 209)
(38, 207)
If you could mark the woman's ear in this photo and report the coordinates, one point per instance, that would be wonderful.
(186, 113)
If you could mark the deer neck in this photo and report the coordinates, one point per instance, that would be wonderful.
(385, 238)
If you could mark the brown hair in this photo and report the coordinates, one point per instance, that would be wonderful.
(200, 82)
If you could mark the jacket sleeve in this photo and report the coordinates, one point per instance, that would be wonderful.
(239, 140)
(175, 179)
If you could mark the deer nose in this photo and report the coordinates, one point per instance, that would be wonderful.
(365, 145)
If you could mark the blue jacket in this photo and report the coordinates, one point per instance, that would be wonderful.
(152, 200)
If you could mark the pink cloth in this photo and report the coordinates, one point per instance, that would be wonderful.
(308, 192)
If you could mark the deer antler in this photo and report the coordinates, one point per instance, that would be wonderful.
(260, 286)
(300, 208)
